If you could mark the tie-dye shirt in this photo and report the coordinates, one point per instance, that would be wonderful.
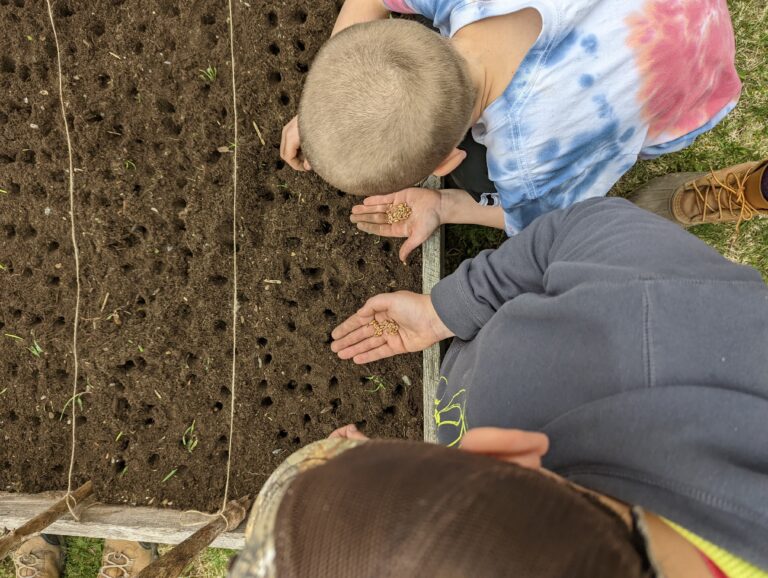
(607, 82)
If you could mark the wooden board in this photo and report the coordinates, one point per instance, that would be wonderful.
(431, 273)
(119, 522)
(165, 526)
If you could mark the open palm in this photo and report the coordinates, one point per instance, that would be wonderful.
(419, 327)
(425, 204)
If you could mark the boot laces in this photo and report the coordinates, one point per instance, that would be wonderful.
(728, 195)
(116, 561)
(30, 563)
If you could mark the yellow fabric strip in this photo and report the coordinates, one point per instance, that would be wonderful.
(733, 566)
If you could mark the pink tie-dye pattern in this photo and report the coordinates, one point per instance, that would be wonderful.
(398, 6)
(684, 51)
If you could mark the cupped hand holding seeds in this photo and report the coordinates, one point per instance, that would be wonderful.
(389, 324)
(375, 215)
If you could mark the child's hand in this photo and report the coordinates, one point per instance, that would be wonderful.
(425, 204)
(348, 432)
(418, 327)
(524, 448)
(290, 145)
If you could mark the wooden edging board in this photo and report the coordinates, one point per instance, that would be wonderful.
(165, 526)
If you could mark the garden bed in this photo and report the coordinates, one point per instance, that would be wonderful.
(147, 86)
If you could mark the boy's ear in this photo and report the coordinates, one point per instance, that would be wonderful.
(453, 160)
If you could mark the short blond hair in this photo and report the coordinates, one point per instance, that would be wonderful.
(384, 104)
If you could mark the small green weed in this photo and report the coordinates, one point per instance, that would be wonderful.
(378, 382)
(209, 74)
(169, 475)
(74, 399)
(189, 438)
(35, 348)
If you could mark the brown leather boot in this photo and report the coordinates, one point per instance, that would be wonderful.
(40, 557)
(730, 195)
(124, 559)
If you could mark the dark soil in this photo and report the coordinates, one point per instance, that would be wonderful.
(153, 214)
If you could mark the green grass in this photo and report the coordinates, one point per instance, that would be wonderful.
(84, 559)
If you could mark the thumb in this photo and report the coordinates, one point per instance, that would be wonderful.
(409, 245)
(376, 304)
(380, 199)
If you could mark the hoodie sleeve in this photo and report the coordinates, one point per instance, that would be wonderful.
(468, 298)
(598, 240)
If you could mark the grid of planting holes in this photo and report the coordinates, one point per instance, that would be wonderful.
(148, 100)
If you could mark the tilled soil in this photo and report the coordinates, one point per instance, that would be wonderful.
(153, 213)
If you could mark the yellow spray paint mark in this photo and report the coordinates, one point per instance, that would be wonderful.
(452, 413)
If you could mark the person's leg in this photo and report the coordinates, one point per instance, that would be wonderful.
(729, 195)
(40, 557)
(472, 174)
(124, 559)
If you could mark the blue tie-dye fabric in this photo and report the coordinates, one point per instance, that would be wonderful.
(571, 121)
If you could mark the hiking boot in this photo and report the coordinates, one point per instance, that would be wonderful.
(730, 195)
(124, 559)
(40, 557)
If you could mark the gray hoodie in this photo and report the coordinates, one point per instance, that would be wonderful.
(640, 351)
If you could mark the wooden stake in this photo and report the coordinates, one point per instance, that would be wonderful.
(43, 520)
(172, 564)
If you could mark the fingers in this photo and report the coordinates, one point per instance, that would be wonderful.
(380, 199)
(362, 347)
(517, 446)
(350, 325)
(350, 339)
(349, 432)
(290, 143)
(408, 247)
(372, 218)
(365, 209)
(385, 350)
(396, 230)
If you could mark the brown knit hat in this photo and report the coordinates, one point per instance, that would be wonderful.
(343, 508)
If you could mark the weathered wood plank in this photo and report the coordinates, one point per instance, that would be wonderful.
(432, 269)
(119, 522)
(172, 563)
(43, 520)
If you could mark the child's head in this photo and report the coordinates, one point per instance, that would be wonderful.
(384, 104)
